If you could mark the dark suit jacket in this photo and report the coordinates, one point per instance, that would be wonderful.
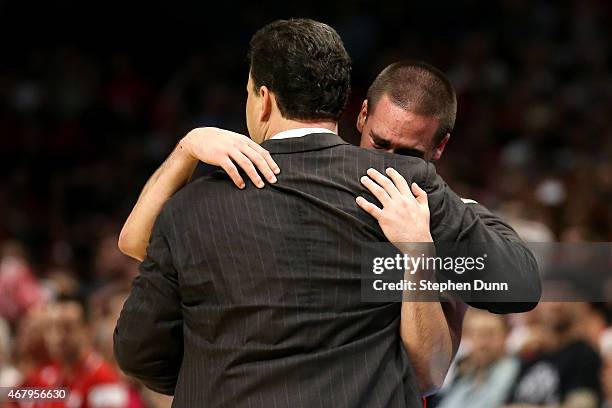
(252, 298)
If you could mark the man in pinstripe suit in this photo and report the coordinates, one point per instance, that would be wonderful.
(252, 298)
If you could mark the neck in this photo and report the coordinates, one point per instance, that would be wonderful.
(287, 124)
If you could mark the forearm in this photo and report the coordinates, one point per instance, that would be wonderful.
(173, 174)
(430, 330)
(213, 146)
(426, 333)
(428, 341)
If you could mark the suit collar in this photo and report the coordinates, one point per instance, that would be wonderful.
(314, 141)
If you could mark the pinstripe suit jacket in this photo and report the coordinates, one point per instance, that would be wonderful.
(251, 298)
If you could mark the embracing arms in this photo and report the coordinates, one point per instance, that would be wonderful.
(430, 331)
(213, 146)
(148, 339)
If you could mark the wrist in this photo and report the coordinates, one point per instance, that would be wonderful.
(427, 238)
(416, 245)
(415, 239)
(183, 153)
(185, 146)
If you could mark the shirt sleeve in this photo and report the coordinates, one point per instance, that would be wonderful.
(509, 260)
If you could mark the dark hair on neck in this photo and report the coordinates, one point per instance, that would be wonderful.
(419, 88)
(304, 63)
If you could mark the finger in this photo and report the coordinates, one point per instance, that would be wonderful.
(419, 194)
(232, 171)
(368, 207)
(384, 182)
(399, 181)
(246, 165)
(376, 190)
(266, 155)
(261, 163)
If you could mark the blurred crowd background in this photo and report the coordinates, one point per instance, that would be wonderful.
(93, 97)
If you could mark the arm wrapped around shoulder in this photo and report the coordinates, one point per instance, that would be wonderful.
(509, 282)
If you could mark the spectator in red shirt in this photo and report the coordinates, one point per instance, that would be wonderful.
(91, 382)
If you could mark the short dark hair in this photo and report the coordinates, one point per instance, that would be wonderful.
(420, 88)
(305, 64)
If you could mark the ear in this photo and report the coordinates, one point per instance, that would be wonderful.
(439, 149)
(363, 115)
(267, 99)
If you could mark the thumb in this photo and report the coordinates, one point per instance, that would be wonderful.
(419, 194)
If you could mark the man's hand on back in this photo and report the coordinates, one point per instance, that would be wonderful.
(226, 149)
(426, 331)
(404, 217)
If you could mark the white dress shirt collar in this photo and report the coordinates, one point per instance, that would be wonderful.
(287, 134)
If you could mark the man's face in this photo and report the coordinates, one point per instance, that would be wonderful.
(562, 316)
(487, 335)
(393, 129)
(66, 332)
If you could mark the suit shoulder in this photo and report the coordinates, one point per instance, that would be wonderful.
(384, 156)
(406, 165)
(210, 185)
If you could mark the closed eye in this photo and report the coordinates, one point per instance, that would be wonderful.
(379, 142)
